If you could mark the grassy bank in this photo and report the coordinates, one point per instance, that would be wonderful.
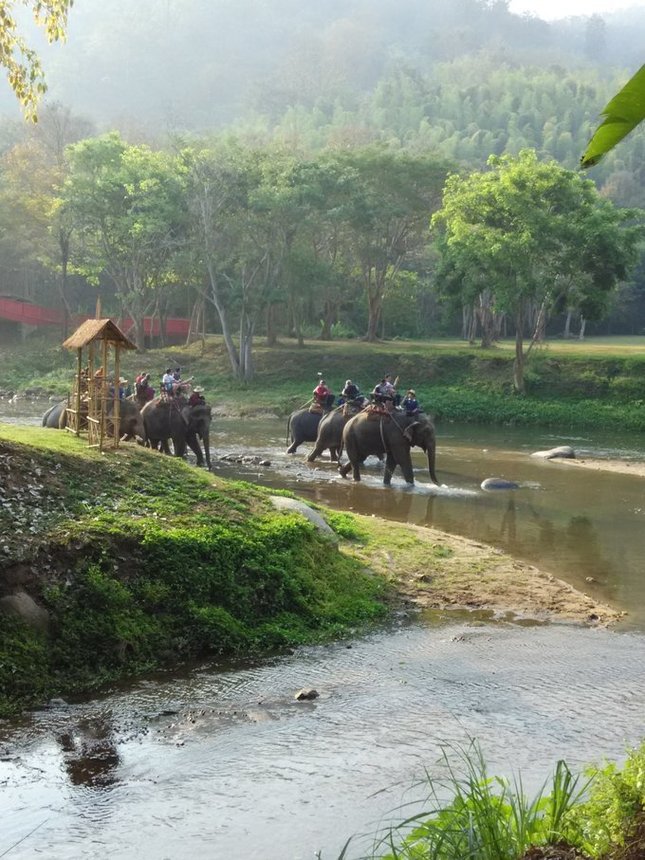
(142, 561)
(598, 383)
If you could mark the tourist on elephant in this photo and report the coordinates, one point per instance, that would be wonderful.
(410, 404)
(323, 395)
(384, 393)
(168, 383)
(350, 392)
(124, 388)
(143, 390)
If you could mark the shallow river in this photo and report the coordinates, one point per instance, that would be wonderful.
(220, 762)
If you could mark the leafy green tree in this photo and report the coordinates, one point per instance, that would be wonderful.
(247, 207)
(525, 230)
(388, 197)
(24, 71)
(127, 205)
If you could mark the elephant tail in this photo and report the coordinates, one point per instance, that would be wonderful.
(288, 429)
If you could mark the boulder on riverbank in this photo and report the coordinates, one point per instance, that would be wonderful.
(563, 452)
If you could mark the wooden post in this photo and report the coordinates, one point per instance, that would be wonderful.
(103, 396)
(79, 368)
(117, 396)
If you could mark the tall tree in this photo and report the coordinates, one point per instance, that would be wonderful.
(527, 228)
(127, 204)
(387, 198)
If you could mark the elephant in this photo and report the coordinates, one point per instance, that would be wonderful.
(172, 418)
(56, 416)
(302, 426)
(392, 434)
(330, 429)
(130, 421)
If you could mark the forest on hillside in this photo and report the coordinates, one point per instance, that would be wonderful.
(447, 83)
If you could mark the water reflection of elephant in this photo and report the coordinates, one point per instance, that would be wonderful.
(90, 753)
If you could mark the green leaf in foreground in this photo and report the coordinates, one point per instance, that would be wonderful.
(622, 114)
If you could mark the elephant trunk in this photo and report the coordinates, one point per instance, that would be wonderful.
(207, 448)
(431, 459)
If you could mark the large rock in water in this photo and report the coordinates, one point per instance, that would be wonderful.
(499, 484)
(564, 452)
(282, 503)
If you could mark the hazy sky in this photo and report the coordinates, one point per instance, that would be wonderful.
(550, 9)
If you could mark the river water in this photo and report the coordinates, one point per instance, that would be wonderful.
(221, 762)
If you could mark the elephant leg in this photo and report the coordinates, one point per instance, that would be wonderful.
(165, 447)
(406, 468)
(315, 452)
(294, 446)
(333, 454)
(390, 466)
(356, 470)
(344, 469)
(195, 447)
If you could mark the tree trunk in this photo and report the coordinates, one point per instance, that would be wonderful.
(272, 336)
(327, 321)
(567, 324)
(374, 307)
(518, 363)
(216, 300)
(63, 243)
(583, 325)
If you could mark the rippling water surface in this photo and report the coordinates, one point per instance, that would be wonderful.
(221, 762)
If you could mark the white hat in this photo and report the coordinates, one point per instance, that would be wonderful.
(122, 380)
(198, 389)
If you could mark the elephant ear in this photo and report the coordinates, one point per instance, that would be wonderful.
(409, 429)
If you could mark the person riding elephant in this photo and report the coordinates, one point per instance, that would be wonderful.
(330, 429)
(393, 435)
(166, 418)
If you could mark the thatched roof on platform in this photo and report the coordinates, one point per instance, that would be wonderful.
(93, 330)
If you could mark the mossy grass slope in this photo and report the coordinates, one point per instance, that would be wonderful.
(142, 561)
(598, 382)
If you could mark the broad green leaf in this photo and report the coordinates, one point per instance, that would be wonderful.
(623, 113)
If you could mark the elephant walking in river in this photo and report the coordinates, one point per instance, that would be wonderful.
(330, 429)
(390, 434)
(302, 426)
(172, 418)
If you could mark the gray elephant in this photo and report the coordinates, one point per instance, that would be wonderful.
(130, 420)
(56, 416)
(330, 429)
(302, 426)
(393, 434)
(186, 425)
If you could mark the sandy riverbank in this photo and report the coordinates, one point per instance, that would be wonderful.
(435, 570)
(623, 467)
